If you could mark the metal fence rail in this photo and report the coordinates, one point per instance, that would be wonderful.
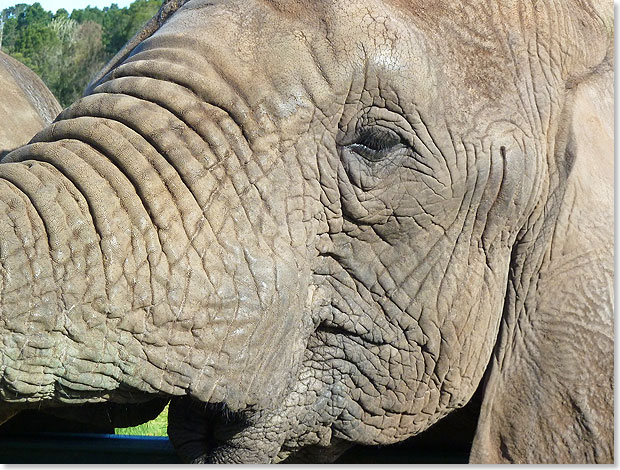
(56, 448)
(68, 448)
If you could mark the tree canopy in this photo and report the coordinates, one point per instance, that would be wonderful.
(67, 49)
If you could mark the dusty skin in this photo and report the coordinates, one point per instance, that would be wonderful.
(314, 224)
(26, 107)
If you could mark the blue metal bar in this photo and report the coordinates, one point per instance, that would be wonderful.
(54, 448)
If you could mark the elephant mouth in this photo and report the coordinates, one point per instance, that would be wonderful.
(224, 423)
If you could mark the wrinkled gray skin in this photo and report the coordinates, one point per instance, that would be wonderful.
(319, 223)
(26, 104)
(26, 107)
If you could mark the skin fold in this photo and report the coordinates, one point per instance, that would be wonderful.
(314, 224)
(27, 106)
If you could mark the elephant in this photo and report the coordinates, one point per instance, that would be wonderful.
(27, 105)
(318, 224)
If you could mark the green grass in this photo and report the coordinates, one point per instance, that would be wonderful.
(156, 427)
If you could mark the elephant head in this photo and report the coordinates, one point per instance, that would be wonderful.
(27, 106)
(321, 223)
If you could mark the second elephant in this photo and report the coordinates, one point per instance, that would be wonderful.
(26, 104)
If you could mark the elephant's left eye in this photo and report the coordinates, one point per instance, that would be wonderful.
(375, 143)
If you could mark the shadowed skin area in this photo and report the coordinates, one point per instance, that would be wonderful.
(314, 224)
(27, 106)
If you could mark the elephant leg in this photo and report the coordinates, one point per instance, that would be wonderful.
(188, 429)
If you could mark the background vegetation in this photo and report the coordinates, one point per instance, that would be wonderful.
(67, 49)
(157, 427)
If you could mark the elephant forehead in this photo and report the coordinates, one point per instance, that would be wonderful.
(284, 57)
(313, 50)
(274, 63)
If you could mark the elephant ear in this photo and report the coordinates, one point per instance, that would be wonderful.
(548, 390)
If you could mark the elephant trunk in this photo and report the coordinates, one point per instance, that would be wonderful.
(134, 260)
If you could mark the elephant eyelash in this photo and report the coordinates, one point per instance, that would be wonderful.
(376, 143)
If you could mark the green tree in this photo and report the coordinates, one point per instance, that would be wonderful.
(120, 24)
(139, 13)
(10, 16)
(89, 13)
(115, 27)
(81, 56)
(61, 13)
(35, 37)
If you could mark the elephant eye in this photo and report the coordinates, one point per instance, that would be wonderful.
(375, 143)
